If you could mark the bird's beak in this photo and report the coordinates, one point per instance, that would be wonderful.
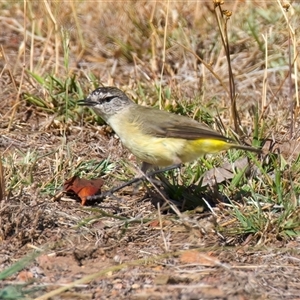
(86, 102)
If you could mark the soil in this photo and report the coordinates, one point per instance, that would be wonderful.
(135, 251)
(122, 247)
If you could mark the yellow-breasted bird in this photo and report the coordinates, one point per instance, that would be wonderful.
(156, 137)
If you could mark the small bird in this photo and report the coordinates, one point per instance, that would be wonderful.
(158, 138)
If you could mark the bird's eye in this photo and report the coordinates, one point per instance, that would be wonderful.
(107, 98)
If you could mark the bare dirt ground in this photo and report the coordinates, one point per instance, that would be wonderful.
(136, 251)
(136, 256)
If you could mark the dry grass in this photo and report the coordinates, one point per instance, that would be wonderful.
(169, 55)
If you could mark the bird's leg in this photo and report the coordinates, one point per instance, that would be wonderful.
(145, 167)
(161, 181)
(136, 179)
(169, 168)
(150, 175)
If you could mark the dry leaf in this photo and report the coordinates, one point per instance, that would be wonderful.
(289, 149)
(224, 172)
(25, 276)
(213, 292)
(157, 224)
(83, 188)
(161, 279)
(196, 257)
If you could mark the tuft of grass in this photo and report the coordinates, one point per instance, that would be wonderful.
(19, 265)
(59, 95)
(19, 291)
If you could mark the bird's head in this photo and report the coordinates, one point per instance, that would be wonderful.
(107, 101)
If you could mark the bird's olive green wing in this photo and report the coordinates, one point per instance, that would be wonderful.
(164, 124)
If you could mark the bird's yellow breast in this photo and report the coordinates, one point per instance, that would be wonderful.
(161, 151)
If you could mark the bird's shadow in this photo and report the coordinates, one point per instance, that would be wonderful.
(191, 197)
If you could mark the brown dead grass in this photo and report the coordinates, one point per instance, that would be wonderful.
(122, 44)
